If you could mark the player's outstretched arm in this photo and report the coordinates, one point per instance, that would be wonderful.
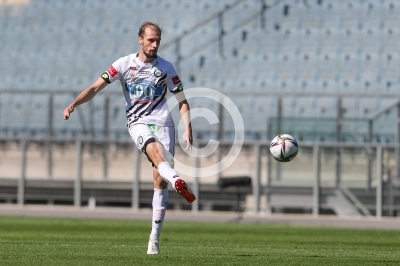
(184, 111)
(86, 95)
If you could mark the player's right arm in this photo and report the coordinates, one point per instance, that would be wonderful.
(86, 95)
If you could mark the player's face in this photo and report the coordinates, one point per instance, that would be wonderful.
(150, 42)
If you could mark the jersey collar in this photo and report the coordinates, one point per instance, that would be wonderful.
(140, 63)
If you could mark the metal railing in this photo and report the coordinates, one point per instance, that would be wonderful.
(264, 166)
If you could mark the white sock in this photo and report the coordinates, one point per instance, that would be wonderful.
(167, 173)
(160, 201)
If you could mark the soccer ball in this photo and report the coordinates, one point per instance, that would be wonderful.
(284, 148)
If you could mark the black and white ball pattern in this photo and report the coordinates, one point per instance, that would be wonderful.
(284, 148)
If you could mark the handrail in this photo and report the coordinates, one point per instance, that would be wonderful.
(356, 202)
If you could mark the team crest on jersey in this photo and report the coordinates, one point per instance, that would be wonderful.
(157, 73)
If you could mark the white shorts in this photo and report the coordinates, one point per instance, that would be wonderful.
(142, 134)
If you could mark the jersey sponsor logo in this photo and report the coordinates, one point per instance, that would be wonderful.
(112, 71)
(176, 80)
(106, 77)
(144, 72)
(152, 128)
(143, 92)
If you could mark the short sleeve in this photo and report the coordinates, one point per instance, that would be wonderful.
(113, 72)
(173, 82)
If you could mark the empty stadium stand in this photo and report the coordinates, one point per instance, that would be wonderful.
(319, 49)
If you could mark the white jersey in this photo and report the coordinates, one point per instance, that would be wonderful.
(144, 86)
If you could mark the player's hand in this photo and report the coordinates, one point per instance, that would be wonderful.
(68, 111)
(187, 137)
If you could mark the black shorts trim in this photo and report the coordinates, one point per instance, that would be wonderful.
(150, 140)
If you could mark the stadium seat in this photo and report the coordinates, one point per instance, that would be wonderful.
(390, 80)
(369, 79)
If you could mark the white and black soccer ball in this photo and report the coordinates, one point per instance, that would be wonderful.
(284, 148)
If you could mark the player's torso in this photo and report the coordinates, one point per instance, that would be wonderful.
(144, 87)
(144, 83)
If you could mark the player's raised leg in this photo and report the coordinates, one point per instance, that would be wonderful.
(156, 146)
(156, 152)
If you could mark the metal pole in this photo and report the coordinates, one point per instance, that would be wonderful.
(391, 196)
(257, 178)
(106, 116)
(397, 152)
(136, 179)
(196, 188)
(220, 133)
(338, 139)
(220, 136)
(369, 155)
(50, 134)
(268, 166)
(269, 183)
(22, 177)
(219, 158)
(379, 181)
(78, 178)
(106, 135)
(279, 131)
(317, 177)
(91, 119)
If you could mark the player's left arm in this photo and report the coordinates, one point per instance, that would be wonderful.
(185, 114)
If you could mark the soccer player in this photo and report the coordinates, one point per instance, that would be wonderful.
(145, 78)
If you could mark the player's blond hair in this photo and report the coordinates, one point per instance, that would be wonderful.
(146, 24)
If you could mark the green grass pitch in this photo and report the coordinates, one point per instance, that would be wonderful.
(59, 241)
